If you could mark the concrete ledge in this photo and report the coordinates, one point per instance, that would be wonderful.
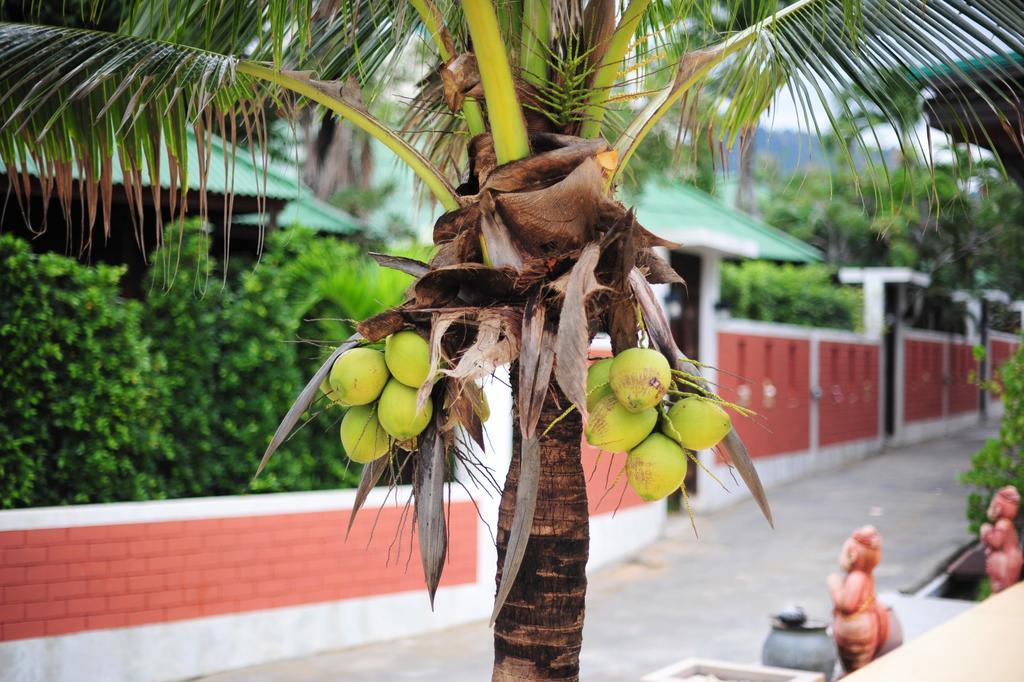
(777, 470)
(228, 506)
(189, 648)
(982, 643)
(927, 429)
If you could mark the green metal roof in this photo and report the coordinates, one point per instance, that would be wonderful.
(312, 213)
(249, 178)
(991, 62)
(692, 218)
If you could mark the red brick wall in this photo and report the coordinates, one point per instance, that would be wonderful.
(63, 580)
(963, 373)
(850, 394)
(923, 379)
(751, 364)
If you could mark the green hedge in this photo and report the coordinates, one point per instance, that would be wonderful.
(107, 399)
(790, 294)
(80, 412)
(1000, 461)
(233, 369)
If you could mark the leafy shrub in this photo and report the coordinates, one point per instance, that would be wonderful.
(233, 371)
(804, 295)
(80, 407)
(105, 399)
(1000, 461)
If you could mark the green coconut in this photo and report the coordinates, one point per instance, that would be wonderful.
(397, 413)
(656, 467)
(362, 435)
(597, 381)
(359, 376)
(408, 357)
(612, 427)
(325, 388)
(640, 377)
(697, 423)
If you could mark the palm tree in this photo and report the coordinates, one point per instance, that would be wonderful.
(534, 252)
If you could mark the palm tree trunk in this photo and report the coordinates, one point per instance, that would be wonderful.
(539, 632)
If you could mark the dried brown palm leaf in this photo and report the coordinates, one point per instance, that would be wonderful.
(409, 266)
(573, 339)
(560, 216)
(372, 473)
(546, 168)
(464, 405)
(496, 344)
(461, 79)
(502, 249)
(522, 519)
(472, 283)
(383, 324)
(428, 493)
(440, 322)
(536, 360)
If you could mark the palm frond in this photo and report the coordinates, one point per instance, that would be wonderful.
(73, 101)
(833, 57)
(259, 29)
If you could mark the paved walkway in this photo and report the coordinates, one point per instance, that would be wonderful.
(711, 597)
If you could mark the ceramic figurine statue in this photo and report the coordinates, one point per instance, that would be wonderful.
(1002, 546)
(860, 624)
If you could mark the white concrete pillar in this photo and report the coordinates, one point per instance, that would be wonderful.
(814, 413)
(972, 319)
(898, 364)
(710, 293)
(874, 306)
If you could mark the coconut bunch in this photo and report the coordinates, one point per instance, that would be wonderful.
(379, 390)
(537, 259)
(638, 404)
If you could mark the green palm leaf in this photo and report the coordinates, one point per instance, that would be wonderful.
(833, 57)
(75, 100)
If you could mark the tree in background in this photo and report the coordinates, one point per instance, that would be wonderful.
(878, 201)
(960, 223)
(790, 294)
(517, 102)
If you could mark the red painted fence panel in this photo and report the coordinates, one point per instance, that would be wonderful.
(850, 394)
(770, 375)
(923, 379)
(963, 379)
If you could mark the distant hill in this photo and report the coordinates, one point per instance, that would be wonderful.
(790, 150)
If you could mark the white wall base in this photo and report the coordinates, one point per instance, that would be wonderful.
(202, 646)
(926, 429)
(613, 538)
(775, 471)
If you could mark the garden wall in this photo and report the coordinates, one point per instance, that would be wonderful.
(819, 395)
(169, 590)
(938, 387)
(816, 393)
